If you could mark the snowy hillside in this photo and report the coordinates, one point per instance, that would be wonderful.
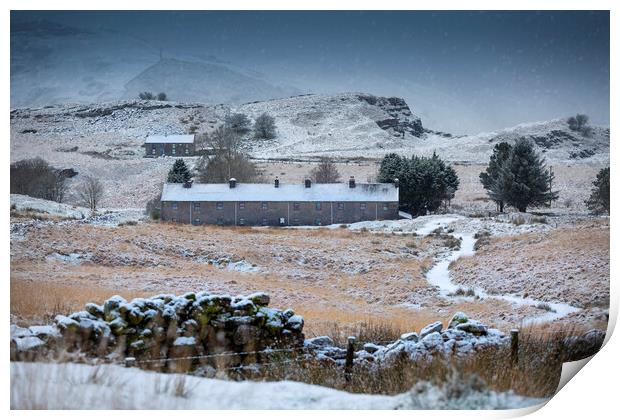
(348, 124)
(554, 139)
(202, 82)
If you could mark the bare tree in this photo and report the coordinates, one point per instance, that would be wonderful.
(226, 159)
(90, 192)
(326, 172)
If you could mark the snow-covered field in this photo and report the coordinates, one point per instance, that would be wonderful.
(74, 386)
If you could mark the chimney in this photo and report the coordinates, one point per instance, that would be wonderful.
(352, 182)
(396, 183)
(188, 184)
(232, 182)
(308, 183)
(276, 183)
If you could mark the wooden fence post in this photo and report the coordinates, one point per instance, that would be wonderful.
(514, 347)
(348, 363)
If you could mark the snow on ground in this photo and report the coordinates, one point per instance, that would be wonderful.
(39, 205)
(22, 221)
(423, 225)
(75, 386)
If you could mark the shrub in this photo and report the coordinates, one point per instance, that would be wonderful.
(147, 96)
(239, 123)
(161, 96)
(265, 127)
(579, 123)
(153, 207)
(36, 178)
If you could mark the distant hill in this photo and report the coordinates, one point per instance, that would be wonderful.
(209, 83)
(53, 63)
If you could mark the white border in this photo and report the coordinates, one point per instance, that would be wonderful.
(591, 395)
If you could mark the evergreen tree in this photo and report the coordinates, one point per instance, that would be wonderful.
(599, 198)
(179, 173)
(501, 151)
(523, 179)
(265, 127)
(425, 183)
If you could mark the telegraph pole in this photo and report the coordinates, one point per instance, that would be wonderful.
(550, 182)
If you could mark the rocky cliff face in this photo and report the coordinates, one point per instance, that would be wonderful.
(400, 120)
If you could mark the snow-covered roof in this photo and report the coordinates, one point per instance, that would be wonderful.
(173, 138)
(286, 192)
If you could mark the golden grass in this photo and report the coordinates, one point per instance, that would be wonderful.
(39, 302)
(536, 374)
(571, 261)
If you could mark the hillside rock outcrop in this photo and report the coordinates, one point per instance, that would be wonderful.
(401, 120)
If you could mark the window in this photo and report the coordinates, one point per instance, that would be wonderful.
(197, 206)
(220, 221)
(362, 206)
(282, 221)
(317, 206)
(241, 221)
(296, 206)
(187, 150)
(175, 205)
(197, 221)
(241, 206)
(265, 222)
(174, 149)
(219, 205)
(153, 150)
(317, 221)
(385, 206)
(296, 222)
(263, 206)
(340, 206)
(174, 220)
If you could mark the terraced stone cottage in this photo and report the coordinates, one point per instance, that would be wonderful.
(279, 204)
(171, 145)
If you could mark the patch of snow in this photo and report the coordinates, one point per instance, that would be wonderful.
(71, 386)
(24, 203)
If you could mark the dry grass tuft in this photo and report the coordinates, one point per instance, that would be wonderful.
(536, 374)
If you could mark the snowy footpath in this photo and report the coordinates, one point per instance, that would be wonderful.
(439, 275)
(75, 386)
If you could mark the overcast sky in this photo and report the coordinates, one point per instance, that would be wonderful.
(461, 71)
